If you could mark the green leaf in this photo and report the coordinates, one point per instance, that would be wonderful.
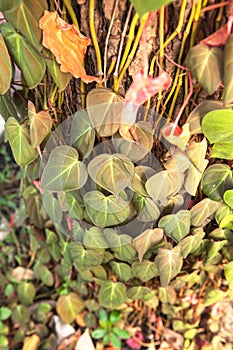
(26, 292)
(228, 198)
(217, 126)
(222, 150)
(115, 316)
(7, 108)
(145, 270)
(85, 258)
(115, 341)
(27, 58)
(5, 313)
(99, 333)
(6, 5)
(35, 210)
(163, 185)
(191, 243)
(20, 315)
(82, 133)
(122, 270)
(146, 240)
(52, 207)
(19, 139)
(113, 172)
(40, 124)
(167, 295)
(213, 295)
(94, 238)
(202, 62)
(5, 67)
(202, 212)
(143, 7)
(63, 172)
(169, 263)
(104, 210)
(140, 292)
(75, 204)
(216, 180)
(43, 273)
(177, 225)
(112, 294)
(212, 249)
(60, 78)
(228, 66)
(228, 273)
(25, 19)
(121, 245)
(141, 175)
(121, 333)
(146, 208)
(193, 178)
(104, 110)
(197, 152)
(227, 222)
(69, 306)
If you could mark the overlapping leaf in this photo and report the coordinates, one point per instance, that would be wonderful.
(112, 294)
(146, 240)
(141, 175)
(52, 207)
(63, 172)
(19, 138)
(169, 263)
(40, 124)
(27, 58)
(146, 208)
(202, 211)
(140, 292)
(85, 258)
(145, 270)
(190, 244)
(122, 270)
(104, 210)
(176, 226)
(5, 67)
(202, 62)
(112, 172)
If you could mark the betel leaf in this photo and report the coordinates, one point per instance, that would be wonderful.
(85, 258)
(122, 270)
(228, 273)
(217, 126)
(5, 67)
(104, 108)
(69, 306)
(202, 62)
(146, 240)
(228, 66)
(112, 294)
(143, 7)
(63, 172)
(141, 175)
(25, 19)
(113, 172)
(145, 270)
(146, 208)
(228, 198)
(60, 78)
(104, 210)
(82, 133)
(27, 58)
(164, 184)
(169, 263)
(203, 211)
(190, 244)
(216, 180)
(40, 124)
(19, 139)
(139, 292)
(177, 225)
(6, 5)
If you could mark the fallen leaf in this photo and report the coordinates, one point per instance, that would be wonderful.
(31, 343)
(67, 44)
(20, 273)
(62, 329)
(85, 342)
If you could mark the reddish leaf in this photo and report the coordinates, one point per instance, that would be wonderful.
(219, 37)
(67, 44)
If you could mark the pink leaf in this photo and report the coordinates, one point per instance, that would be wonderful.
(219, 37)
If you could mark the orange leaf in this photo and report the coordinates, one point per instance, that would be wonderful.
(67, 44)
(31, 343)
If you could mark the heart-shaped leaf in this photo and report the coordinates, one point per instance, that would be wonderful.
(85, 258)
(63, 172)
(143, 7)
(218, 126)
(190, 244)
(104, 108)
(25, 19)
(5, 67)
(222, 150)
(202, 62)
(146, 208)
(19, 139)
(176, 226)
(228, 66)
(7, 108)
(94, 238)
(228, 198)
(82, 133)
(40, 124)
(164, 184)
(145, 270)
(202, 211)
(140, 292)
(193, 178)
(27, 58)
(197, 152)
(69, 306)
(141, 175)
(104, 210)
(216, 180)
(52, 207)
(75, 204)
(169, 263)
(112, 294)
(113, 172)
(146, 240)
(122, 270)
(179, 162)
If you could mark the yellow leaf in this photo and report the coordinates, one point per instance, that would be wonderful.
(31, 343)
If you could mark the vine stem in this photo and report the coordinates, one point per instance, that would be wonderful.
(94, 38)
(71, 13)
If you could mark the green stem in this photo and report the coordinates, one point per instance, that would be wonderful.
(94, 37)
(71, 13)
